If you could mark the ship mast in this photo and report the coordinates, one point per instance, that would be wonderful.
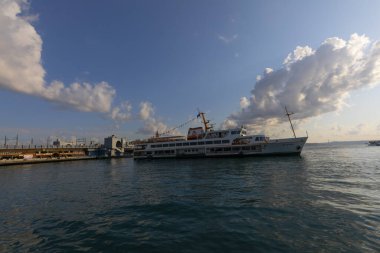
(205, 122)
(290, 121)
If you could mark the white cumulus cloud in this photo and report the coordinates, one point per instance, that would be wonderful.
(20, 50)
(84, 97)
(122, 112)
(21, 69)
(146, 110)
(244, 102)
(312, 82)
(152, 124)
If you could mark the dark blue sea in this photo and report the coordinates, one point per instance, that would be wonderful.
(328, 200)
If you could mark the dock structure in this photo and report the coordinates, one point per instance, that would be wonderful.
(45, 154)
(116, 146)
(42, 152)
(64, 151)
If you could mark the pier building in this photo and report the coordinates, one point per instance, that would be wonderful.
(117, 146)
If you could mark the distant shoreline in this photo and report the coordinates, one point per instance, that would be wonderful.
(338, 142)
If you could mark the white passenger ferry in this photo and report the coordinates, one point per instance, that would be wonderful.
(206, 142)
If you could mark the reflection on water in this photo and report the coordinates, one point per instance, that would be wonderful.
(327, 200)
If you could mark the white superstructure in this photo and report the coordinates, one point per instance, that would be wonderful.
(206, 142)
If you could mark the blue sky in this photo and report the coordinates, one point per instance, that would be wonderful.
(175, 57)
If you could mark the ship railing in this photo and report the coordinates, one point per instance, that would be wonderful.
(48, 147)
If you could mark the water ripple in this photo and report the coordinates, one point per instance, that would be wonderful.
(326, 201)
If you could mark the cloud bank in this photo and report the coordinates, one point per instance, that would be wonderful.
(21, 69)
(311, 82)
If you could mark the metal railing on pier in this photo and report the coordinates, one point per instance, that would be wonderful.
(47, 146)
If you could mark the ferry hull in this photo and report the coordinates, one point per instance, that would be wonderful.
(279, 147)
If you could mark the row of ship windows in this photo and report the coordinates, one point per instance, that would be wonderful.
(235, 149)
(167, 152)
(190, 143)
(209, 150)
(161, 152)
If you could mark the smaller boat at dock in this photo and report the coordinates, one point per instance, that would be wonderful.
(374, 143)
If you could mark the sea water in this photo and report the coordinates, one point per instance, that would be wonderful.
(327, 200)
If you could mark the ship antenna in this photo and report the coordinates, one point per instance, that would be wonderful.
(204, 121)
(290, 121)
